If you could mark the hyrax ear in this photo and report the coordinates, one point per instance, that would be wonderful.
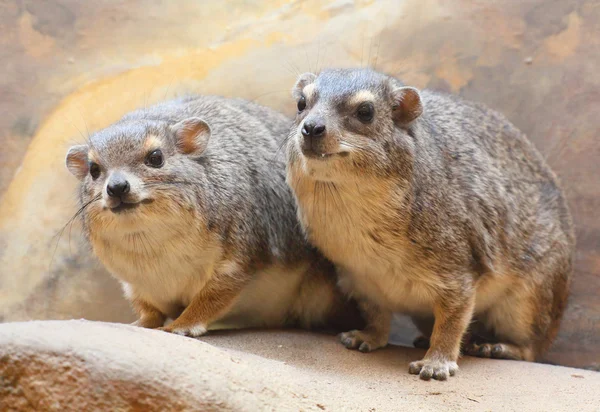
(77, 161)
(407, 105)
(192, 135)
(303, 81)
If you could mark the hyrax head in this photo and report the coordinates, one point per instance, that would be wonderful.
(347, 118)
(135, 171)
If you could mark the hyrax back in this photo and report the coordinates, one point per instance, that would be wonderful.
(186, 204)
(433, 206)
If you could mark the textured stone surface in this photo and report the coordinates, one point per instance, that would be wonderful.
(71, 67)
(81, 365)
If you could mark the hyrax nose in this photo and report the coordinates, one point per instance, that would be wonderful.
(313, 129)
(117, 187)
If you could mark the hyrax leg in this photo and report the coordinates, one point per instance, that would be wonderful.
(209, 305)
(425, 326)
(452, 316)
(376, 332)
(148, 315)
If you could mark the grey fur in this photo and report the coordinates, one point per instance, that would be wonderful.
(237, 192)
(454, 199)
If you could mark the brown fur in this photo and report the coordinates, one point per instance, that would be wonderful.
(435, 207)
(209, 237)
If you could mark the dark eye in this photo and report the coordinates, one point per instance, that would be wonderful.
(155, 159)
(94, 170)
(365, 112)
(302, 104)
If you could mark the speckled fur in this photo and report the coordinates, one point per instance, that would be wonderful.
(214, 240)
(450, 216)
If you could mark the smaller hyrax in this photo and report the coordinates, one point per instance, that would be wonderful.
(432, 206)
(185, 204)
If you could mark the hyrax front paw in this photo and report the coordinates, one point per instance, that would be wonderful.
(150, 323)
(362, 340)
(192, 331)
(436, 369)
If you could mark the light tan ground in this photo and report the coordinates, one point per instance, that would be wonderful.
(82, 365)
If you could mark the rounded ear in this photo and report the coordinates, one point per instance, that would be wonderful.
(407, 105)
(77, 161)
(303, 81)
(192, 135)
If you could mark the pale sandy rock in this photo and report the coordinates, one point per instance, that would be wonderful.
(82, 365)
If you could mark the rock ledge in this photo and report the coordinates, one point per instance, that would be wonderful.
(82, 365)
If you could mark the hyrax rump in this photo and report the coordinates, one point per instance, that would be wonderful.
(186, 204)
(432, 206)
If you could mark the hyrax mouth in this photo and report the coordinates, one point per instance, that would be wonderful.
(123, 207)
(319, 149)
(316, 155)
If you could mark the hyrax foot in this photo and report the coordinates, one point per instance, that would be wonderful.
(362, 340)
(436, 369)
(421, 342)
(497, 351)
(185, 330)
(150, 323)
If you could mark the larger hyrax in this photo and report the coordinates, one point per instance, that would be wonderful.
(432, 206)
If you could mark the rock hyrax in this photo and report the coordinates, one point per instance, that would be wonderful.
(432, 206)
(186, 205)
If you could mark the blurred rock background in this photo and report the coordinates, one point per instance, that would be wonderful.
(71, 67)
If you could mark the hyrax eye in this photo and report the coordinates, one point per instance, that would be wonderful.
(155, 159)
(301, 104)
(94, 170)
(365, 112)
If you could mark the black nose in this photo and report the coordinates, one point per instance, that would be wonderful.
(313, 129)
(117, 188)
